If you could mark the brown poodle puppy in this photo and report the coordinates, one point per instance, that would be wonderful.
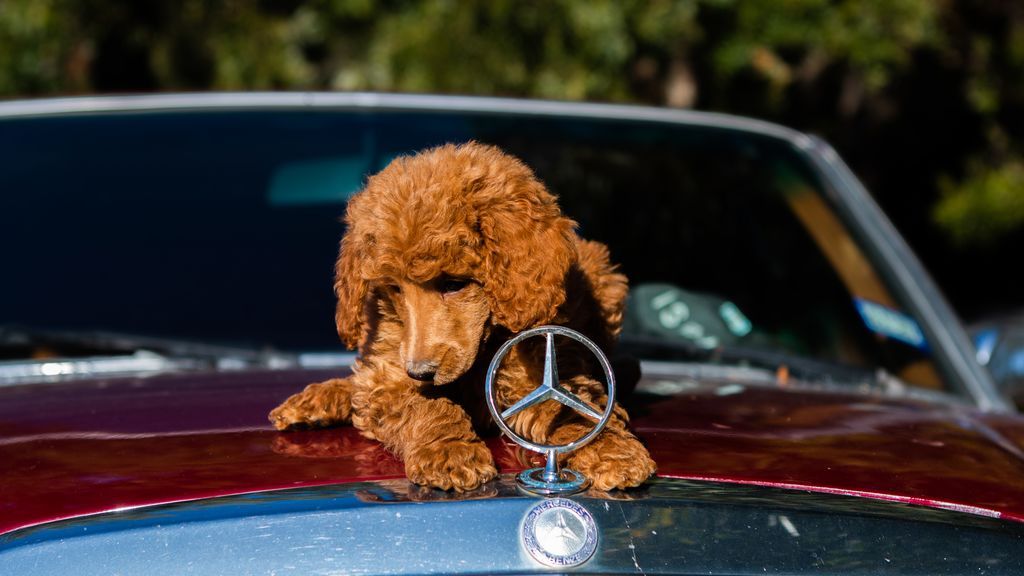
(447, 254)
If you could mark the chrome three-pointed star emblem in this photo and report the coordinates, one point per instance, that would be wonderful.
(550, 480)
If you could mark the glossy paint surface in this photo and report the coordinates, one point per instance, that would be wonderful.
(382, 527)
(78, 448)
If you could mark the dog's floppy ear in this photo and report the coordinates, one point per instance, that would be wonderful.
(528, 248)
(351, 290)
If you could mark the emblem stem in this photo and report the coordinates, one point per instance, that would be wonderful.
(551, 468)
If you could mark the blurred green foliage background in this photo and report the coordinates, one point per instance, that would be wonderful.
(924, 98)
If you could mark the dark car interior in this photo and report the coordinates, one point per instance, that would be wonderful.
(224, 227)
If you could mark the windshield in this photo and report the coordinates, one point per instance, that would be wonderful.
(223, 227)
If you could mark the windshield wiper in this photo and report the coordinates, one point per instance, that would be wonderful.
(796, 367)
(53, 353)
(107, 342)
(753, 365)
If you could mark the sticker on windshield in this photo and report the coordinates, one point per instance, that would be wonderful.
(891, 323)
(734, 320)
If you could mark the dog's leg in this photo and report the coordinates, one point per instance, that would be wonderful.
(433, 436)
(616, 458)
(454, 463)
(322, 404)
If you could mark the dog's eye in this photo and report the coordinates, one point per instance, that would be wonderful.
(448, 285)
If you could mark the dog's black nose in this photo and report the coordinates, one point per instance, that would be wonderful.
(423, 370)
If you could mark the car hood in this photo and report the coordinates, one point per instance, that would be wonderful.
(75, 448)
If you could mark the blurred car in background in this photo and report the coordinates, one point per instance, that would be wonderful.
(1000, 348)
(810, 398)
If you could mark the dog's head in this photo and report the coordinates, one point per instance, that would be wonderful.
(451, 241)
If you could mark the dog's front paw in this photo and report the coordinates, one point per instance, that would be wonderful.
(614, 461)
(322, 404)
(460, 465)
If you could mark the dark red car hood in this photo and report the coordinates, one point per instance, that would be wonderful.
(76, 448)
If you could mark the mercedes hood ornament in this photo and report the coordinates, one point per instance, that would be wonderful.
(550, 480)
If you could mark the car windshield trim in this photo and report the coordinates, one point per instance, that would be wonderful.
(241, 101)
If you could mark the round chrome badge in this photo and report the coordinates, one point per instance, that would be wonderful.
(549, 480)
(560, 533)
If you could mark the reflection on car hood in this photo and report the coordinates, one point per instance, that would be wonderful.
(90, 446)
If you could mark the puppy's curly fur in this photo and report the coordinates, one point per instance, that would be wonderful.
(448, 253)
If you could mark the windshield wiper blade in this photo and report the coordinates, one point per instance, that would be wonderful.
(99, 342)
(14, 372)
(798, 367)
(750, 365)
